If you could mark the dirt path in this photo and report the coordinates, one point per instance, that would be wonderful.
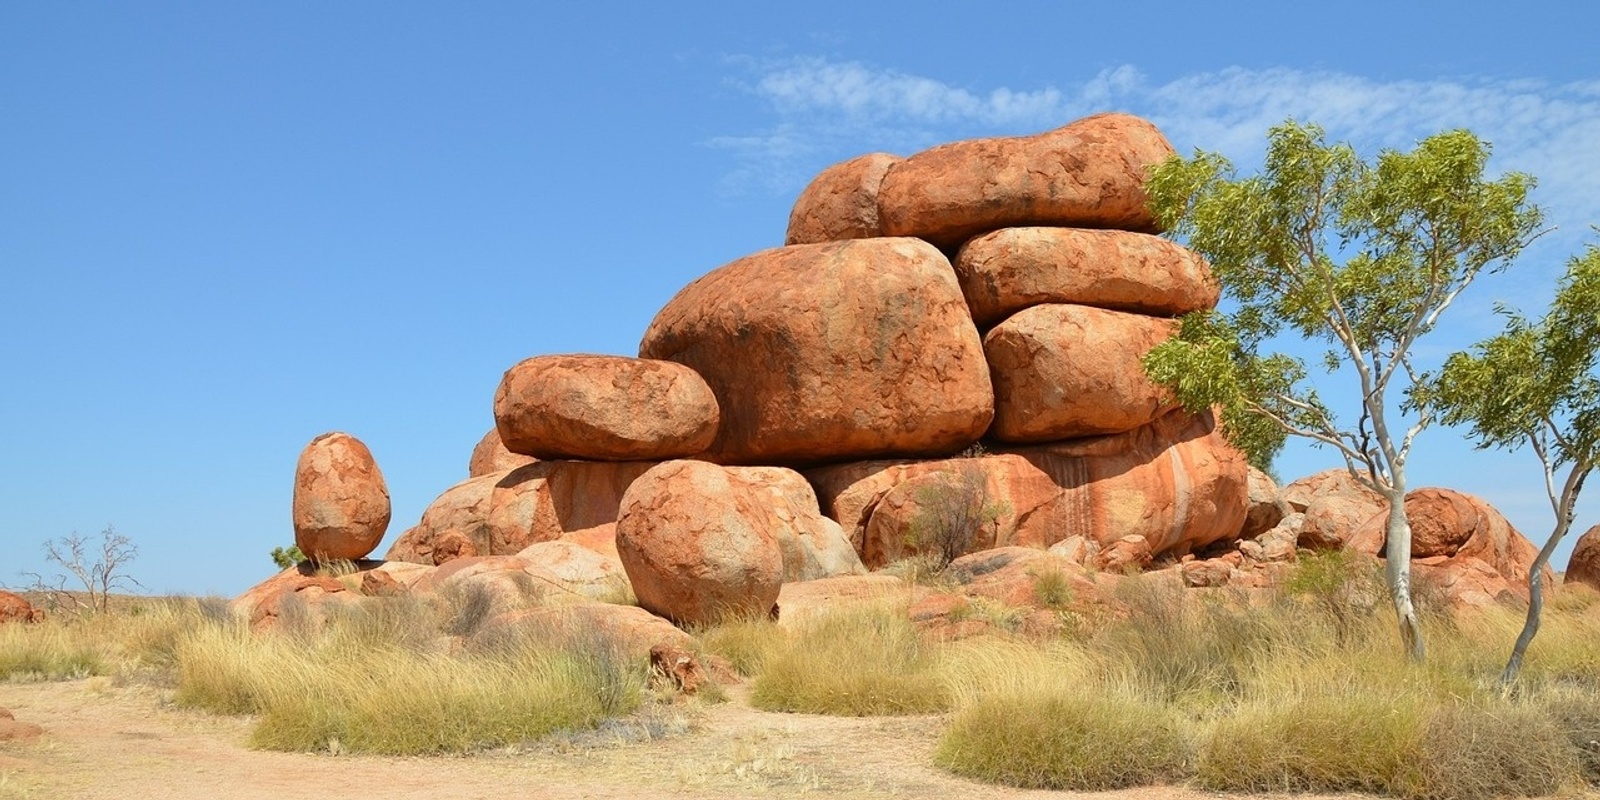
(106, 741)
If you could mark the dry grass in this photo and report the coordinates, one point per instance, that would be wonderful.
(864, 660)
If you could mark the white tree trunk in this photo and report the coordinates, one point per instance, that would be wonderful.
(1397, 570)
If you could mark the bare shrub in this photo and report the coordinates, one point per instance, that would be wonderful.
(951, 512)
(97, 563)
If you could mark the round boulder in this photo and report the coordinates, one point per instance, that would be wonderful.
(831, 352)
(841, 202)
(341, 505)
(604, 408)
(697, 545)
(1088, 174)
(491, 456)
(1011, 269)
(1065, 371)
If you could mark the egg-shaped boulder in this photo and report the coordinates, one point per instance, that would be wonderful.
(697, 545)
(341, 504)
(604, 408)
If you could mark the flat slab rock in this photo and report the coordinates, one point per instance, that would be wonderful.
(604, 408)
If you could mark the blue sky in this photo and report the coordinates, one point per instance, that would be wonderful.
(226, 227)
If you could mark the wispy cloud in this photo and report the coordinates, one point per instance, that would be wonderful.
(824, 111)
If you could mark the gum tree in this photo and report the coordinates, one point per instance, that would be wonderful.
(1534, 384)
(1361, 256)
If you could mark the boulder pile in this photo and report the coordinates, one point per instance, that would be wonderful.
(943, 359)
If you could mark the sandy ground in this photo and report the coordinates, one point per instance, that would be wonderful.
(125, 742)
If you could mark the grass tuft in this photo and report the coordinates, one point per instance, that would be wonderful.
(861, 661)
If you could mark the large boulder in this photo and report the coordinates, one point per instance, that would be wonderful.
(1008, 270)
(1066, 371)
(1337, 508)
(604, 408)
(1088, 174)
(504, 512)
(1175, 482)
(829, 352)
(1449, 528)
(490, 456)
(841, 202)
(1584, 565)
(698, 545)
(341, 505)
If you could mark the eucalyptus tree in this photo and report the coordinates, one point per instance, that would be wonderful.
(1361, 256)
(1534, 384)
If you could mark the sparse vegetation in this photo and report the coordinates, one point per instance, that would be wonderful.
(98, 564)
(862, 661)
(286, 557)
(951, 512)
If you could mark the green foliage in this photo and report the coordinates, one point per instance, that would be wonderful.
(1535, 383)
(1363, 256)
(286, 557)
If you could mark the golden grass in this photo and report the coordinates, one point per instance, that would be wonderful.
(860, 661)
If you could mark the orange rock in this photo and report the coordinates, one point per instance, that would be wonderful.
(16, 608)
(1011, 269)
(504, 512)
(828, 352)
(841, 202)
(1337, 508)
(1206, 572)
(341, 505)
(1065, 372)
(697, 545)
(801, 601)
(604, 408)
(1449, 527)
(1584, 565)
(491, 456)
(1266, 507)
(1124, 555)
(1088, 174)
(298, 590)
(1176, 482)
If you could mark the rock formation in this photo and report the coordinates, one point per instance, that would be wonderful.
(1584, 565)
(950, 346)
(341, 505)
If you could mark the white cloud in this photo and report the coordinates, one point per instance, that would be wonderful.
(825, 111)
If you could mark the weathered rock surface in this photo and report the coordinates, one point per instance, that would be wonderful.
(1449, 528)
(1088, 174)
(1266, 508)
(832, 351)
(841, 202)
(605, 408)
(1176, 482)
(491, 456)
(341, 505)
(1584, 565)
(16, 608)
(502, 513)
(1011, 269)
(300, 593)
(1066, 372)
(697, 545)
(544, 574)
(1336, 508)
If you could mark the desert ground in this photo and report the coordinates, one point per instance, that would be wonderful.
(105, 740)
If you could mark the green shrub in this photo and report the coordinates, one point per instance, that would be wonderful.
(1081, 741)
